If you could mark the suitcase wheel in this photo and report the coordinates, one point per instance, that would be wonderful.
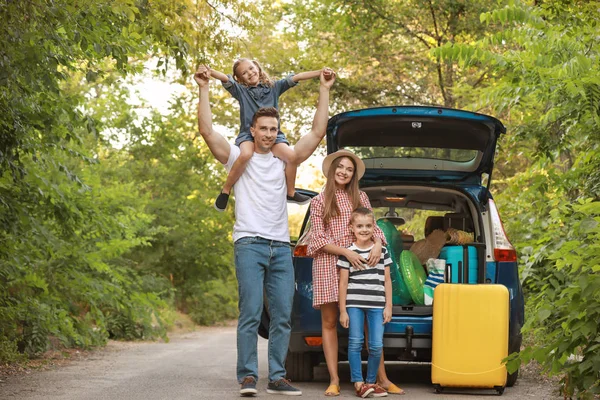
(438, 389)
(499, 390)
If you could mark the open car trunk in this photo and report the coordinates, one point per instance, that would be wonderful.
(409, 143)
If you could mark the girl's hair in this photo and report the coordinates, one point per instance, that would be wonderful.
(331, 208)
(263, 77)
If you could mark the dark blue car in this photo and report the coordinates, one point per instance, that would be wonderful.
(426, 168)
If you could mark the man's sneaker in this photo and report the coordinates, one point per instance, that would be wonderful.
(364, 391)
(298, 198)
(248, 387)
(221, 202)
(378, 391)
(283, 386)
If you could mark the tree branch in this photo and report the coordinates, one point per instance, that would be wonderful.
(368, 5)
(437, 33)
(480, 79)
(233, 21)
(441, 79)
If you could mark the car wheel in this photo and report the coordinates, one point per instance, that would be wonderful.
(299, 366)
(512, 378)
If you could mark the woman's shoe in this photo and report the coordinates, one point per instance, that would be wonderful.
(393, 389)
(332, 391)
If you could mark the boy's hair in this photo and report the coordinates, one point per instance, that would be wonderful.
(361, 211)
(263, 77)
(265, 112)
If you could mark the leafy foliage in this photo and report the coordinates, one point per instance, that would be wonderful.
(79, 231)
(106, 208)
(545, 68)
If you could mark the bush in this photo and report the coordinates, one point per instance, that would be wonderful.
(559, 240)
(214, 301)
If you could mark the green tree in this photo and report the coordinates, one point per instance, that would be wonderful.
(545, 59)
(71, 222)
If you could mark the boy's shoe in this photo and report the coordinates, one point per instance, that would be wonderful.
(221, 202)
(364, 391)
(248, 387)
(283, 386)
(378, 391)
(298, 198)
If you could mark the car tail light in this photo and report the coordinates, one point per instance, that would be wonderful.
(314, 340)
(503, 249)
(301, 250)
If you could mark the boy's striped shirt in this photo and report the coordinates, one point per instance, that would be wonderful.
(366, 288)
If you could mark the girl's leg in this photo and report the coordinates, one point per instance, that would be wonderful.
(287, 154)
(329, 319)
(290, 178)
(355, 343)
(375, 341)
(238, 167)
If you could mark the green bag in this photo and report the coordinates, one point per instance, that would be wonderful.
(400, 293)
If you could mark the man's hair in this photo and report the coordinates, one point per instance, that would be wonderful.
(265, 112)
(361, 211)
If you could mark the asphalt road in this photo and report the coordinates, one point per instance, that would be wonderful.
(201, 365)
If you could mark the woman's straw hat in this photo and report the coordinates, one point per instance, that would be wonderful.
(360, 165)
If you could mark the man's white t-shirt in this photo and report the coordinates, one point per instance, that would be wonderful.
(260, 197)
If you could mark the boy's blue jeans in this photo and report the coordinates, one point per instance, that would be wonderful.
(263, 264)
(356, 337)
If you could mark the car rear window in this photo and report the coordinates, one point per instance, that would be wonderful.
(457, 155)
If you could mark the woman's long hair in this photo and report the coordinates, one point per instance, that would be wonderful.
(263, 77)
(331, 208)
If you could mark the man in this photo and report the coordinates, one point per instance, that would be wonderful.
(262, 250)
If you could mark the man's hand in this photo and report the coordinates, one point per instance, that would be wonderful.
(327, 77)
(202, 76)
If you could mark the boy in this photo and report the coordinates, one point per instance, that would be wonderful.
(365, 293)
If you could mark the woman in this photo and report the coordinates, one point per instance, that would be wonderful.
(330, 213)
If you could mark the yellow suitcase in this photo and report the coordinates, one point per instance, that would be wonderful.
(470, 336)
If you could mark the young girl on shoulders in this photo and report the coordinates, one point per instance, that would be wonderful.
(252, 88)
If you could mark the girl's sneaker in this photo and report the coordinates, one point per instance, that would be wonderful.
(221, 202)
(378, 391)
(299, 198)
(365, 391)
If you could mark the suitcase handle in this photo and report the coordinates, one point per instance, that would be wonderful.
(465, 264)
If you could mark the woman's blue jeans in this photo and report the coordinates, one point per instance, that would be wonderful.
(356, 337)
(263, 265)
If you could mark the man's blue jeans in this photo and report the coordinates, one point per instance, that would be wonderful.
(356, 336)
(263, 264)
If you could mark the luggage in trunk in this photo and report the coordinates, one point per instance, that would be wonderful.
(470, 336)
(464, 263)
